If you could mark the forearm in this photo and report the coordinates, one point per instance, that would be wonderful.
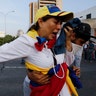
(68, 45)
(38, 77)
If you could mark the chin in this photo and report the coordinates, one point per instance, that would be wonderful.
(51, 38)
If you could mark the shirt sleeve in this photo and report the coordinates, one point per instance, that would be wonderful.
(78, 57)
(16, 49)
(69, 57)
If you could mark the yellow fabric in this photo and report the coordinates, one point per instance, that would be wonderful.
(43, 11)
(70, 85)
(34, 67)
(32, 33)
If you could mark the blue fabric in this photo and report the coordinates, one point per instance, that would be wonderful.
(74, 78)
(41, 40)
(52, 8)
(59, 46)
(51, 71)
(34, 84)
(91, 46)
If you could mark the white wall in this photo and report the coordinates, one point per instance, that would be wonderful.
(83, 14)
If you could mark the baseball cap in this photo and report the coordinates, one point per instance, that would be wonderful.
(53, 10)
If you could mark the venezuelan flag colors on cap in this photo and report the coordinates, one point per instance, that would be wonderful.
(53, 11)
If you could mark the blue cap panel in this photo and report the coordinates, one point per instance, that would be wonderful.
(52, 8)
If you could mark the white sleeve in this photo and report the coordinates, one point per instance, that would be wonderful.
(69, 57)
(78, 57)
(15, 49)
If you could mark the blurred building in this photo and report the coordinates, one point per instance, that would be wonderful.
(89, 13)
(58, 3)
(34, 6)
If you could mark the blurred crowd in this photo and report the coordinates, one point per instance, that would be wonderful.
(89, 51)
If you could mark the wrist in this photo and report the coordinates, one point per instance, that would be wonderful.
(68, 45)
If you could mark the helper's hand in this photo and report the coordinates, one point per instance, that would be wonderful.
(77, 70)
(68, 30)
(38, 77)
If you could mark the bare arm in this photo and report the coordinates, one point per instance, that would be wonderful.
(68, 32)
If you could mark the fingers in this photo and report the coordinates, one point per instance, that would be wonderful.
(39, 77)
(44, 79)
(67, 32)
(77, 70)
(68, 29)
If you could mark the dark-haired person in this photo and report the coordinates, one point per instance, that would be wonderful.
(58, 74)
(80, 35)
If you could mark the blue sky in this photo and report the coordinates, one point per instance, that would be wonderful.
(20, 18)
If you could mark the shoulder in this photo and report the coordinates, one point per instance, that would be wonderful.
(25, 39)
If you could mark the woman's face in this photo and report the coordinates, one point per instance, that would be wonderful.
(49, 28)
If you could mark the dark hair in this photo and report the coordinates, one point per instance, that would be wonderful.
(45, 18)
(36, 25)
(83, 31)
(58, 18)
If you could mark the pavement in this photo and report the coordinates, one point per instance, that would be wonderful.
(88, 78)
(12, 74)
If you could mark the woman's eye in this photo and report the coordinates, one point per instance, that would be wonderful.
(56, 22)
(61, 22)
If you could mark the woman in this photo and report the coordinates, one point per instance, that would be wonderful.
(33, 46)
(50, 55)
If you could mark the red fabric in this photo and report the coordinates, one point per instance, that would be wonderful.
(50, 44)
(39, 47)
(53, 88)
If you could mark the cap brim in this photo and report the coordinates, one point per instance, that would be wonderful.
(66, 16)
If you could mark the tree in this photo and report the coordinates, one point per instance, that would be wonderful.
(7, 39)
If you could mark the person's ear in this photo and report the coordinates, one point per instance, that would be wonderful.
(40, 22)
